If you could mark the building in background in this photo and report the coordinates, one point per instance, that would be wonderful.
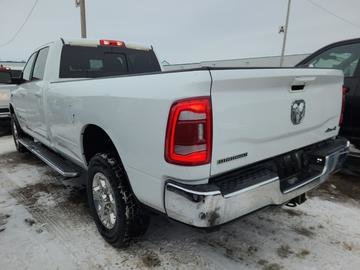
(269, 61)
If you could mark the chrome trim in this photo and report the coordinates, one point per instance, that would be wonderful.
(206, 193)
(212, 208)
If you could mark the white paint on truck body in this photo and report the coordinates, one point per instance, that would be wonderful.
(252, 109)
(251, 113)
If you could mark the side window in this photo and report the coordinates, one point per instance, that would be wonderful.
(39, 67)
(344, 57)
(28, 67)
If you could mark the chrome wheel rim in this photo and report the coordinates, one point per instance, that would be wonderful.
(104, 200)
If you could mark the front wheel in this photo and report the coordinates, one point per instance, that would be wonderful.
(16, 132)
(113, 205)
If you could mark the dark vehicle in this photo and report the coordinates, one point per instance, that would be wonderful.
(16, 73)
(343, 55)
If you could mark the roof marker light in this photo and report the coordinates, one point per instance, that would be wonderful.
(109, 42)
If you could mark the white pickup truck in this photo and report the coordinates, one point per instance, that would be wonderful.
(203, 146)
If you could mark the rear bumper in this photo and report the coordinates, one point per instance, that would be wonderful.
(207, 206)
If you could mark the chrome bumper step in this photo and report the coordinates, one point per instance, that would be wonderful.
(57, 163)
(219, 202)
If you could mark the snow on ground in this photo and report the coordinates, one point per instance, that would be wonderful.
(45, 224)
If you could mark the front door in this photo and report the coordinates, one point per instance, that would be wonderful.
(33, 92)
(20, 98)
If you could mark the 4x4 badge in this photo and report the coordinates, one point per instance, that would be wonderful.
(297, 111)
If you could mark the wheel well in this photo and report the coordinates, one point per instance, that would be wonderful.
(96, 140)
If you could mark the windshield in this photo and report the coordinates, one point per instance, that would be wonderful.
(103, 61)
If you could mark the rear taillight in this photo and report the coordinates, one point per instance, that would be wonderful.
(108, 42)
(189, 132)
(344, 91)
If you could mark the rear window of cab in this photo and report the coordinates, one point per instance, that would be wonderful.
(104, 61)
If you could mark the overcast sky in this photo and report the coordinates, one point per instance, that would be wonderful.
(182, 31)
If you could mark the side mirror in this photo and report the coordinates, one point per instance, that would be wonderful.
(5, 76)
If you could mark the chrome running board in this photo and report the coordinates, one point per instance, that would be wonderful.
(57, 163)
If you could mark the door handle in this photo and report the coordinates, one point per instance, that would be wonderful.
(38, 94)
(297, 87)
(299, 83)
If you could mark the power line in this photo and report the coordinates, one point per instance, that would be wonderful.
(22, 26)
(333, 14)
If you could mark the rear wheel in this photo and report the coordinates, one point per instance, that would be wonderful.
(117, 215)
(17, 133)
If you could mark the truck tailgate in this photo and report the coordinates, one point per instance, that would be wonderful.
(262, 113)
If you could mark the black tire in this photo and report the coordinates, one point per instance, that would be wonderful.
(131, 220)
(17, 133)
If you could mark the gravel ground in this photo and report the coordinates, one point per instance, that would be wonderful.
(45, 224)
